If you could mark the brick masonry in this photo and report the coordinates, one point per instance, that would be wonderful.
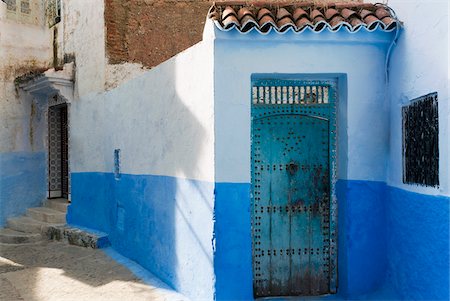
(152, 31)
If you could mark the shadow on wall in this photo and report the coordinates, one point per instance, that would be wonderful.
(156, 212)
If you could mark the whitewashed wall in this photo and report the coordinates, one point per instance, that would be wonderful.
(82, 33)
(363, 126)
(420, 65)
(159, 211)
(24, 46)
(162, 121)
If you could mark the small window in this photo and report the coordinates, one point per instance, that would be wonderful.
(25, 7)
(420, 141)
(53, 12)
(10, 4)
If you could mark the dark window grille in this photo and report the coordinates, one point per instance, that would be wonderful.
(10, 4)
(25, 7)
(421, 141)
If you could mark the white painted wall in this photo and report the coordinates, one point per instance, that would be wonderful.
(162, 121)
(24, 46)
(363, 137)
(83, 34)
(420, 65)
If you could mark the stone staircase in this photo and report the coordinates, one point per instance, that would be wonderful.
(33, 227)
(49, 223)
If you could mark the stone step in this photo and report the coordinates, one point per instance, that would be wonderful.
(28, 225)
(47, 215)
(9, 236)
(81, 237)
(57, 204)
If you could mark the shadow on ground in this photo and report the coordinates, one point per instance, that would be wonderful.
(57, 271)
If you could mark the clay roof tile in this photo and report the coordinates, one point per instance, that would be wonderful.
(247, 23)
(348, 13)
(266, 22)
(246, 15)
(230, 21)
(283, 13)
(264, 12)
(285, 24)
(381, 13)
(331, 13)
(299, 13)
(336, 20)
(316, 14)
(227, 12)
(244, 11)
(364, 13)
(370, 19)
(302, 22)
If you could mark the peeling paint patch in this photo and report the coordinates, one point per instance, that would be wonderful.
(120, 73)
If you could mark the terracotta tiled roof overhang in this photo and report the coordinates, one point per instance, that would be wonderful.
(281, 17)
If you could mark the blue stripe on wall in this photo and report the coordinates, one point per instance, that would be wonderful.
(362, 259)
(233, 242)
(362, 239)
(22, 183)
(163, 223)
(378, 235)
(418, 240)
(388, 238)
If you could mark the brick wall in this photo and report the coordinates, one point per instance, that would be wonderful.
(152, 31)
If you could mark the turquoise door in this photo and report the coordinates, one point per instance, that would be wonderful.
(293, 137)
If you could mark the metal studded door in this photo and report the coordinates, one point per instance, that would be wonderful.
(293, 205)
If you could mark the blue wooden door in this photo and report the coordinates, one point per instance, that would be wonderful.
(293, 137)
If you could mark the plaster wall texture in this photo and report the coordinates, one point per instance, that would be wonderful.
(82, 34)
(116, 74)
(159, 210)
(363, 126)
(162, 121)
(418, 216)
(34, 15)
(24, 46)
(420, 65)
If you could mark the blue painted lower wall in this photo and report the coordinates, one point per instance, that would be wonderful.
(362, 239)
(22, 183)
(392, 244)
(384, 234)
(418, 240)
(163, 223)
(233, 242)
(362, 258)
